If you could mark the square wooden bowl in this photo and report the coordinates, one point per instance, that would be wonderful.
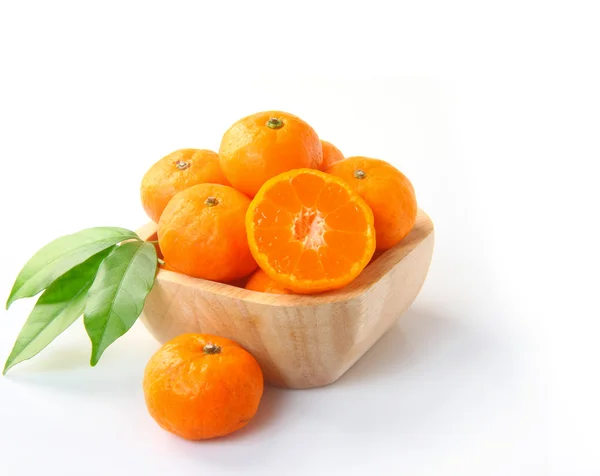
(299, 341)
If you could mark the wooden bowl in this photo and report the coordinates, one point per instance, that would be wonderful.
(299, 341)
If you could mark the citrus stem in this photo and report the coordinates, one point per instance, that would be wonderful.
(359, 174)
(275, 123)
(211, 349)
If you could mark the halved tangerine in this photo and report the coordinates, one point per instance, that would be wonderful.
(309, 231)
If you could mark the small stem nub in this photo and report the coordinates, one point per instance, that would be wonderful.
(359, 174)
(182, 164)
(211, 349)
(211, 202)
(275, 123)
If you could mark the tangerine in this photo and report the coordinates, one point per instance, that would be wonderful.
(331, 154)
(202, 233)
(386, 190)
(309, 231)
(176, 172)
(200, 386)
(262, 282)
(263, 145)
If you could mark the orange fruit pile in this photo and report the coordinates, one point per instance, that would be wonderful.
(278, 202)
(279, 209)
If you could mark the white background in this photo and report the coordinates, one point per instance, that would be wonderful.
(491, 108)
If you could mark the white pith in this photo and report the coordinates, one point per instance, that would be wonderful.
(315, 236)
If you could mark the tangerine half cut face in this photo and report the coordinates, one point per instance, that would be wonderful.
(309, 231)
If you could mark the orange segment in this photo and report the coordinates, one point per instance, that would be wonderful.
(308, 188)
(267, 238)
(332, 197)
(350, 245)
(268, 214)
(309, 264)
(285, 197)
(309, 231)
(334, 262)
(349, 217)
(282, 259)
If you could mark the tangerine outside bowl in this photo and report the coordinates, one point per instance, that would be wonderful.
(299, 341)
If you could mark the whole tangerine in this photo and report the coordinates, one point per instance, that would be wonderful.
(201, 386)
(331, 154)
(202, 233)
(176, 172)
(262, 282)
(263, 145)
(386, 190)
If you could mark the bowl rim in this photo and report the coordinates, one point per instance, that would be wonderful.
(374, 272)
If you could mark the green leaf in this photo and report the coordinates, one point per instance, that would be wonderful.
(62, 254)
(117, 296)
(58, 307)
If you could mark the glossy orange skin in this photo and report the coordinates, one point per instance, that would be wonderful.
(261, 282)
(197, 395)
(387, 191)
(251, 152)
(205, 241)
(309, 231)
(164, 179)
(331, 154)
